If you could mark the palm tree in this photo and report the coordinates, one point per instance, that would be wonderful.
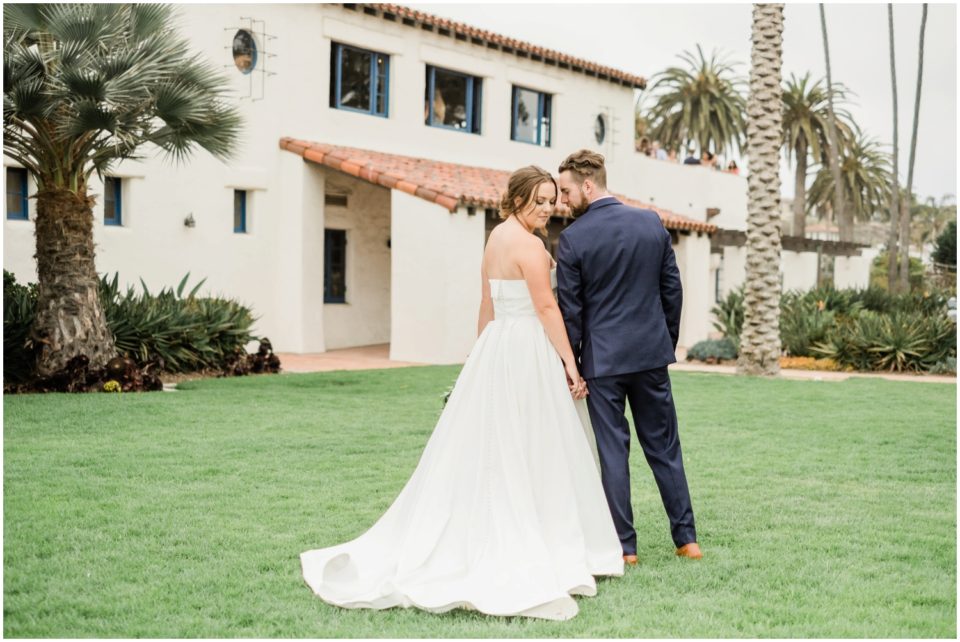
(905, 219)
(930, 217)
(895, 205)
(865, 177)
(844, 222)
(700, 103)
(85, 86)
(760, 338)
(806, 124)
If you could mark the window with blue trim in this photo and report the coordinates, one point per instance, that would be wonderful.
(17, 208)
(240, 211)
(452, 100)
(531, 116)
(112, 203)
(334, 266)
(359, 80)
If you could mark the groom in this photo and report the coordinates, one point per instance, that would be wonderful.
(620, 295)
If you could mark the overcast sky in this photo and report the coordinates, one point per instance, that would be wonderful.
(646, 38)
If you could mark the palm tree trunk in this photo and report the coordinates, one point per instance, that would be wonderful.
(800, 191)
(760, 340)
(69, 319)
(905, 216)
(839, 205)
(892, 245)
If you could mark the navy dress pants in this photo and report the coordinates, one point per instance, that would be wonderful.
(655, 419)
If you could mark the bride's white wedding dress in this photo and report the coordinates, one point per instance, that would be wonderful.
(504, 513)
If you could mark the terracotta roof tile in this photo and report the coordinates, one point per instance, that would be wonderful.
(461, 31)
(450, 185)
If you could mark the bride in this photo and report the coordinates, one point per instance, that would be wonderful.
(505, 513)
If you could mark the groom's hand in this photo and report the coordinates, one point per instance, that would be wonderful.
(579, 389)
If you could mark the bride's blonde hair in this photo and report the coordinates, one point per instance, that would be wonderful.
(522, 187)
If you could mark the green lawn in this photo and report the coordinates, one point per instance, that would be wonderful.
(823, 509)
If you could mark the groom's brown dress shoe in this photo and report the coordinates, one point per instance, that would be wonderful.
(630, 560)
(691, 550)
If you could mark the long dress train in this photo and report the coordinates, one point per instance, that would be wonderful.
(504, 513)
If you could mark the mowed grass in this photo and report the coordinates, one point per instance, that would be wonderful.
(824, 510)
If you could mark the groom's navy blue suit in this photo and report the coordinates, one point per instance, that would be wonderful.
(620, 295)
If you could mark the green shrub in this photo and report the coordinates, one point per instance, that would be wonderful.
(713, 350)
(945, 251)
(19, 308)
(868, 329)
(728, 315)
(878, 272)
(897, 342)
(803, 323)
(188, 333)
(947, 366)
(828, 299)
(876, 299)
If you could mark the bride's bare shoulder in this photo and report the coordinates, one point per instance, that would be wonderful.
(529, 248)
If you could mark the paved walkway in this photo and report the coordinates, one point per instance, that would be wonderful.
(363, 358)
(378, 356)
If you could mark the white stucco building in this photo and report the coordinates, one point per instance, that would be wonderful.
(376, 142)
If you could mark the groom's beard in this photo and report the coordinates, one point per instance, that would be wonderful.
(581, 207)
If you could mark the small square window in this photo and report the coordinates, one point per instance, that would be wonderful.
(112, 202)
(17, 208)
(240, 211)
(452, 100)
(531, 116)
(359, 80)
(335, 200)
(335, 266)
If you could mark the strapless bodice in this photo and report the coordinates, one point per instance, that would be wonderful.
(511, 298)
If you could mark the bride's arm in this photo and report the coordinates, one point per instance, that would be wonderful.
(535, 266)
(486, 303)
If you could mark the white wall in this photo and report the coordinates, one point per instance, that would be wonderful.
(277, 267)
(310, 240)
(734, 269)
(365, 317)
(284, 313)
(435, 294)
(798, 270)
(689, 190)
(854, 271)
(693, 260)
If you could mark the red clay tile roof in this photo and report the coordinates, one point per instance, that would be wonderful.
(466, 33)
(447, 184)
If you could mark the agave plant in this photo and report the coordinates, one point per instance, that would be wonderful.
(84, 86)
(897, 342)
(186, 332)
(803, 323)
(728, 314)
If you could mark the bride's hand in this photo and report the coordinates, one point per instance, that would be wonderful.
(578, 387)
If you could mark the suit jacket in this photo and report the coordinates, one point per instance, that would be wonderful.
(619, 290)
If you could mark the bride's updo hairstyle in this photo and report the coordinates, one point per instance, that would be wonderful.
(521, 189)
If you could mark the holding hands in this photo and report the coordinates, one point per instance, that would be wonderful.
(578, 387)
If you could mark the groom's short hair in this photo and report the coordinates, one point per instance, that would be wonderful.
(586, 164)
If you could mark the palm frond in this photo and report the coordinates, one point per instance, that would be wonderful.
(701, 102)
(87, 85)
(865, 170)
